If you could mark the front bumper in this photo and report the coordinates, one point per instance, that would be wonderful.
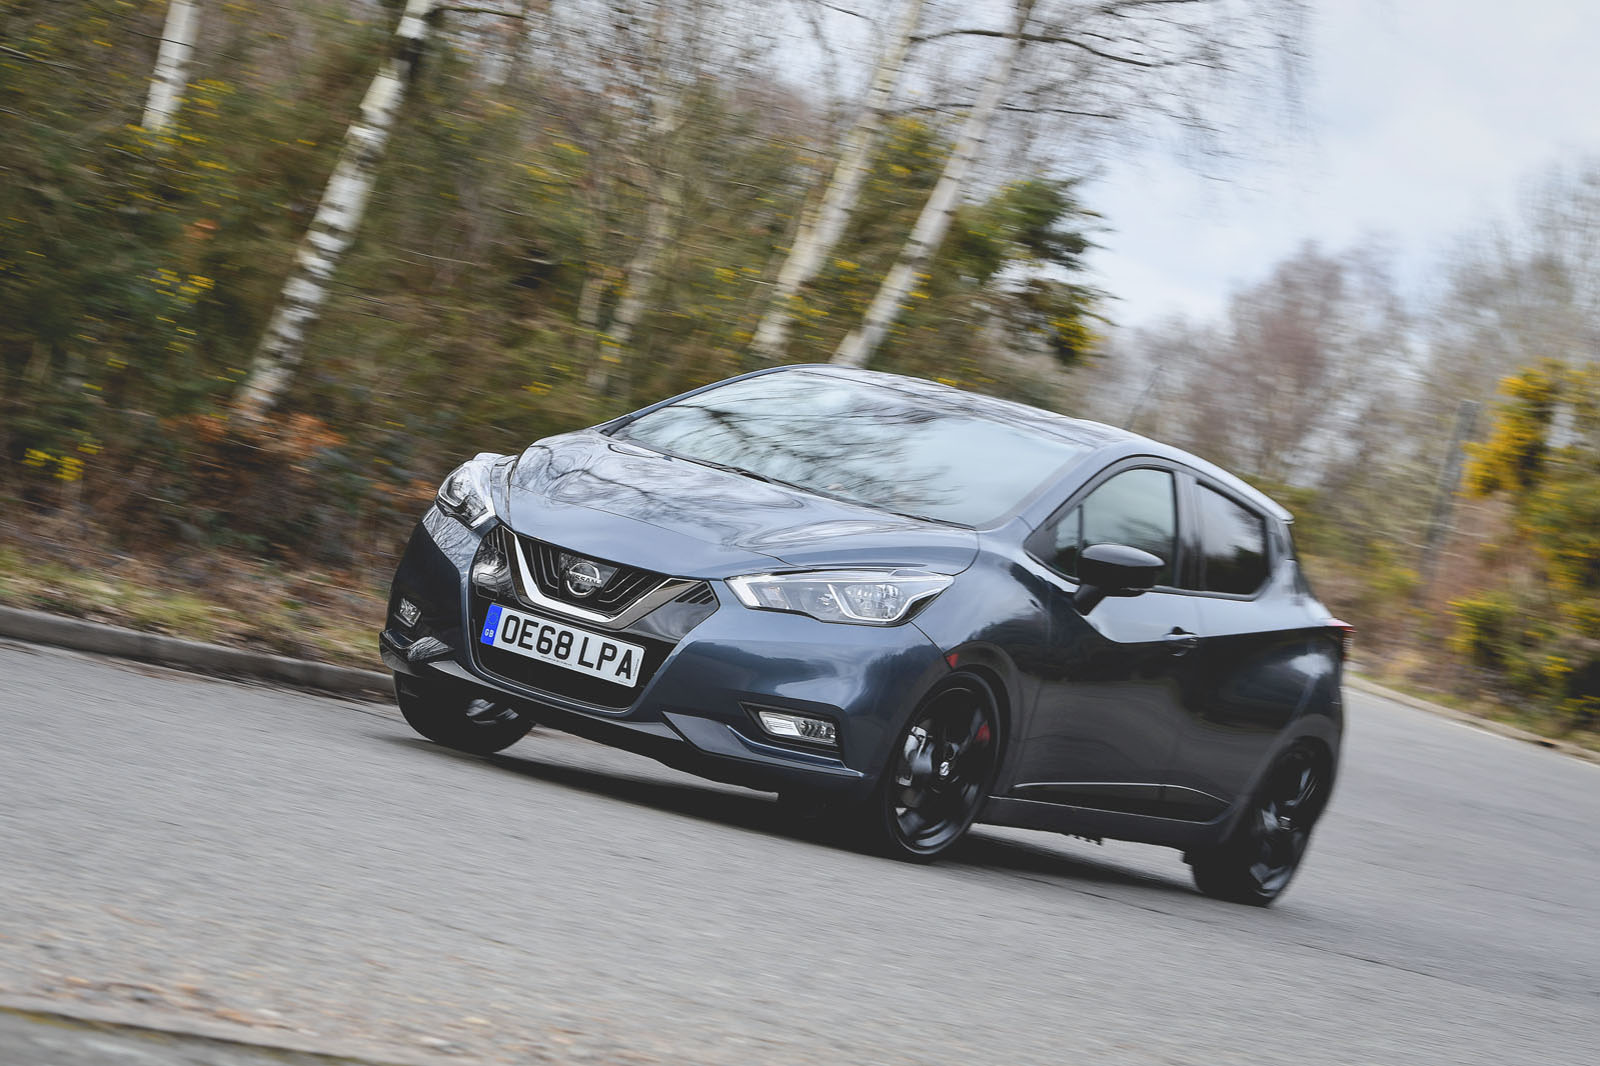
(711, 666)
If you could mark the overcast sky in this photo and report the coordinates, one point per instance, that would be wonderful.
(1428, 118)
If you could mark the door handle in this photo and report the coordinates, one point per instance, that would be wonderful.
(1181, 641)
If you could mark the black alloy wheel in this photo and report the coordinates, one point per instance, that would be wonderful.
(458, 720)
(1258, 861)
(941, 770)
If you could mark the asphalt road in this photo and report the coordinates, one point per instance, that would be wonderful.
(297, 870)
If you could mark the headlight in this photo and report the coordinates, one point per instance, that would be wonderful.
(465, 493)
(860, 597)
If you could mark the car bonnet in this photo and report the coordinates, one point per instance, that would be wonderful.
(613, 500)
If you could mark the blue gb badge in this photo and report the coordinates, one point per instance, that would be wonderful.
(491, 624)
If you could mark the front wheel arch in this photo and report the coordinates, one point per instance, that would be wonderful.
(994, 668)
(928, 745)
(1000, 698)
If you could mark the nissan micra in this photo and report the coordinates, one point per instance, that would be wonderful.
(911, 607)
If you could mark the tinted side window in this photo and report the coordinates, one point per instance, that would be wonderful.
(1233, 543)
(1137, 508)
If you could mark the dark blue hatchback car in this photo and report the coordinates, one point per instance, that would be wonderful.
(907, 606)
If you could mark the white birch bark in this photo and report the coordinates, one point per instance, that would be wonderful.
(171, 75)
(589, 304)
(661, 218)
(858, 347)
(823, 223)
(664, 164)
(338, 217)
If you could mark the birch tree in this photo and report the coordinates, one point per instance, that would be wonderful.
(171, 75)
(337, 219)
(1100, 64)
(691, 44)
(664, 180)
(661, 219)
(823, 222)
(934, 221)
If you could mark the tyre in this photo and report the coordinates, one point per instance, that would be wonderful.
(455, 718)
(1258, 860)
(942, 767)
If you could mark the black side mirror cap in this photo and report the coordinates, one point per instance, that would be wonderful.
(1114, 570)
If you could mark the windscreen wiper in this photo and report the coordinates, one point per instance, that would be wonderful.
(730, 468)
(813, 490)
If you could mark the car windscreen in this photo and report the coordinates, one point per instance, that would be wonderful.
(906, 451)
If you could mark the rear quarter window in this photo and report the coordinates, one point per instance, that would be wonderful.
(1233, 545)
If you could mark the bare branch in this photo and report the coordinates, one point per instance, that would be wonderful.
(964, 105)
(923, 38)
(808, 11)
(1047, 38)
(1148, 64)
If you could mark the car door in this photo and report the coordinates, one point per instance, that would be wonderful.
(1251, 669)
(1110, 693)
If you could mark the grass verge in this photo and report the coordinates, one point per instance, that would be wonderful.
(327, 617)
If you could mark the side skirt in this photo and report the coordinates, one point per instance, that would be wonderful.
(1086, 821)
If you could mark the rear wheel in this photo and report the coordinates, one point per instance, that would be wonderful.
(941, 770)
(457, 719)
(1258, 861)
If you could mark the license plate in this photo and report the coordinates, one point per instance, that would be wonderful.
(554, 642)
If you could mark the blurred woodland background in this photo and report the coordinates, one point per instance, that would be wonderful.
(263, 286)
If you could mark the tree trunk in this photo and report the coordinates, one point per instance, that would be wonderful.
(661, 220)
(338, 217)
(858, 347)
(589, 304)
(646, 262)
(823, 223)
(664, 166)
(171, 75)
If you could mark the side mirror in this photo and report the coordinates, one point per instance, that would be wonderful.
(1113, 570)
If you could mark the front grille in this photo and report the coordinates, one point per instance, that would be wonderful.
(623, 585)
(658, 630)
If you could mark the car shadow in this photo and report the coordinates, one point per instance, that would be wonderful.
(705, 800)
(760, 812)
(980, 849)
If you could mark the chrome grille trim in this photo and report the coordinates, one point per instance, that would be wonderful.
(528, 588)
(699, 596)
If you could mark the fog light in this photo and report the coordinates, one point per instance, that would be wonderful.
(408, 613)
(799, 727)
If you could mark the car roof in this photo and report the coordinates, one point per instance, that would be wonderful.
(1107, 444)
